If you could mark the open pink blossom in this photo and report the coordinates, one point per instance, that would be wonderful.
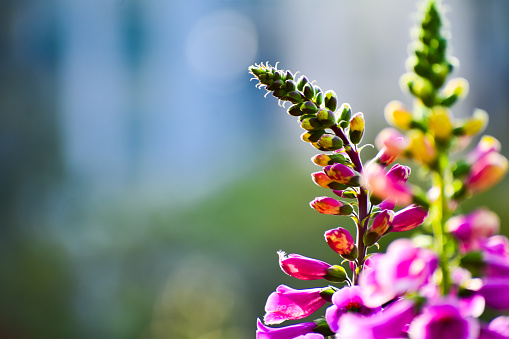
(290, 304)
(473, 228)
(409, 218)
(285, 332)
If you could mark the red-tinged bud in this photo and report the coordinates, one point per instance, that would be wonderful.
(341, 242)
(388, 187)
(391, 144)
(357, 126)
(486, 145)
(321, 179)
(341, 174)
(380, 225)
(409, 218)
(487, 172)
(326, 205)
(302, 267)
(321, 159)
(399, 173)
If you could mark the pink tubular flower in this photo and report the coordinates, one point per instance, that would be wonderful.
(474, 228)
(340, 240)
(486, 145)
(443, 321)
(409, 218)
(486, 172)
(500, 325)
(286, 332)
(390, 186)
(347, 299)
(403, 268)
(494, 291)
(301, 267)
(390, 323)
(290, 304)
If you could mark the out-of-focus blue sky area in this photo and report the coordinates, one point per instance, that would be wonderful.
(146, 184)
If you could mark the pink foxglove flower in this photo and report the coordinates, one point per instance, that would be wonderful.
(302, 267)
(403, 268)
(290, 304)
(500, 325)
(495, 292)
(443, 320)
(392, 323)
(486, 172)
(474, 228)
(347, 300)
(409, 218)
(390, 187)
(286, 332)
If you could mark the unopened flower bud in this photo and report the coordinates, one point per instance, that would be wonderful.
(326, 205)
(440, 124)
(330, 142)
(397, 115)
(380, 225)
(341, 242)
(356, 130)
(321, 179)
(487, 172)
(422, 147)
(311, 124)
(474, 228)
(331, 100)
(326, 117)
(345, 114)
(302, 82)
(295, 97)
(312, 136)
(290, 85)
(409, 218)
(308, 107)
(302, 267)
(348, 194)
(455, 89)
(476, 124)
(309, 91)
(342, 174)
(399, 173)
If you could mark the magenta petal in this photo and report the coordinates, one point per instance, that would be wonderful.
(291, 304)
(302, 267)
(286, 332)
(495, 293)
(409, 218)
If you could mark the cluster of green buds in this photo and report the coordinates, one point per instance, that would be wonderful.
(317, 110)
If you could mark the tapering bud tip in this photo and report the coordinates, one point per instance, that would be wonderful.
(331, 100)
(356, 130)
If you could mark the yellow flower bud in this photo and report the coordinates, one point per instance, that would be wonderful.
(477, 123)
(440, 123)
(422, 147)
(397, 115)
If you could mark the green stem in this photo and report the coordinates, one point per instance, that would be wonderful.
(440, 215)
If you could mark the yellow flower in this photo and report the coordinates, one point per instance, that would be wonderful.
(440, 123)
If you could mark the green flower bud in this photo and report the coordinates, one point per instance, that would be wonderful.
(295, 97)
(331, 100)
(289, 75)
(460, 169)
(295, 110)
(346, 209)
(318, 100)
(301, 82)
(326, 117)
(330, 142)
(311, 124)
(309, 91)
(308, 107)
(345, 113)
(278, 75)
(290, 85)
(312, 136)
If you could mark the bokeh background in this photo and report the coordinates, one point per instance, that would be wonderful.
(146, 184)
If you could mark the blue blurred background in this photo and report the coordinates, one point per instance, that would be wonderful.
(146, 184)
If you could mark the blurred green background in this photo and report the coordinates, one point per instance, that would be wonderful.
(146, 184)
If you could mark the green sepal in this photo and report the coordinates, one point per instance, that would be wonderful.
(460, 168)
(295, 110)
(301, 82)
(345, 113)
(308, 107)
(337, 186)
(295, 97)
(331, 100)
(322, 327)
(370, 238)
(346, 209)
(336, 274)
(352, 255)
